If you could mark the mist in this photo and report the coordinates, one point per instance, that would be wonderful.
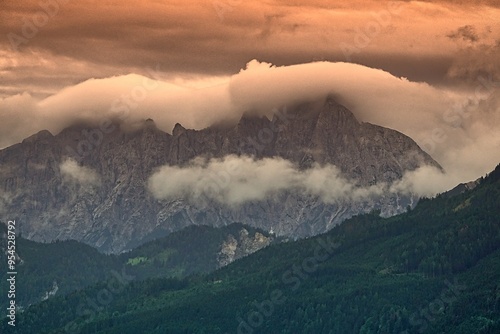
(235, 180)
(457, 127)
(71, 171)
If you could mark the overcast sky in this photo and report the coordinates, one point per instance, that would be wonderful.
(62, 60)
(423, 41)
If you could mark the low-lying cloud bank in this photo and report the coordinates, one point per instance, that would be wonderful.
(458, 128)
(234, 180)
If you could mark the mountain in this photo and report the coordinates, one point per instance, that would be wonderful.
(194, 250)
(89, 182)
(434, 269)
(55, 268)
(62, 267)
(461, 188)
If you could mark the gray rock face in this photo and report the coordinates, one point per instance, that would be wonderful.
(236, 247)
(104, 201)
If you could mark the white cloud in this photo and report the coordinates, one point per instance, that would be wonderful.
(79, 174)
(234, 180)
(458, 128)
(425, 181)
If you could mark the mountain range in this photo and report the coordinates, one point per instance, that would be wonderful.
(92, 183)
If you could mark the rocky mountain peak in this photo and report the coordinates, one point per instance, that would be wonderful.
(43, 135)
(335, 113)
(250, 123)
(150, 123)
(119, 211)
(178, 130)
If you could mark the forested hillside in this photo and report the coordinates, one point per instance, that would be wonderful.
(61, 267)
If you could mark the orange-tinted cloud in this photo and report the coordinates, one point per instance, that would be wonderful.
(219, 37)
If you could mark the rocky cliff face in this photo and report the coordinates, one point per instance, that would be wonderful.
(100, 196)
(243, 244)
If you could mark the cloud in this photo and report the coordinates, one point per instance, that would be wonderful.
(474, 62)
(476, 55)
(466, 33)
(459, 128)
(73, 172)
(440, 120)
(191, 38)
(425, 181)
(20, 118)
(234, 180)
(5, 200)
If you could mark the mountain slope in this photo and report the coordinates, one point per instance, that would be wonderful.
(435, 269)
(56, 268)
(89, 183)
(194, 250)
(62, 267)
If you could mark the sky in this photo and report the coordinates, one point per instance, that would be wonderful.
(430, 69)
(49, 44)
